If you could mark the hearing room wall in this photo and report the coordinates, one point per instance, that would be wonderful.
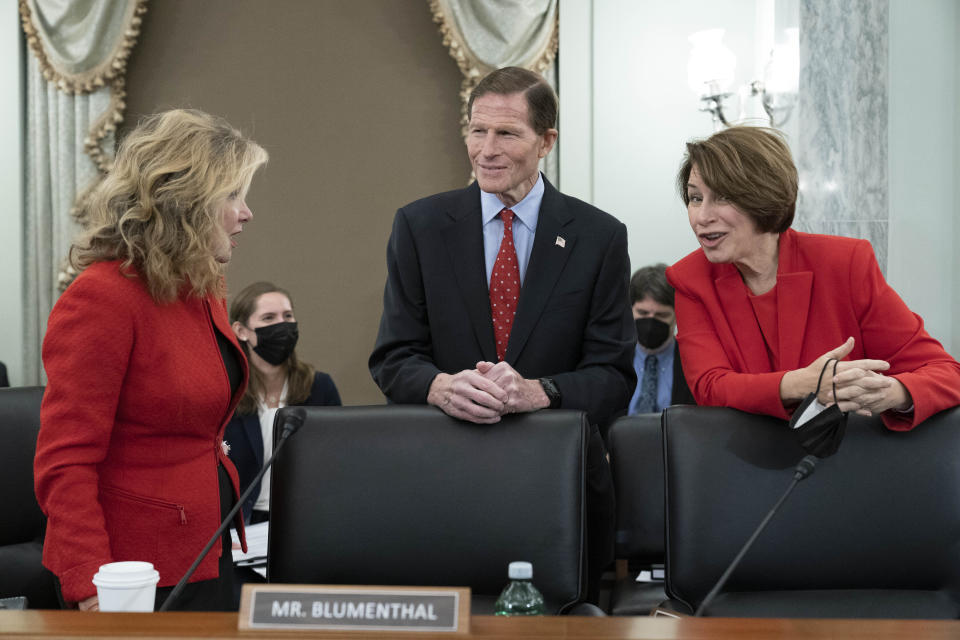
(357, 103)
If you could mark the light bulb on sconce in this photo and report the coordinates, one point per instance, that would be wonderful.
(781, 80)
(710, 72)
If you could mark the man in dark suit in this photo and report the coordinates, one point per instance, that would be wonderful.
(508, 296)
(660, 381)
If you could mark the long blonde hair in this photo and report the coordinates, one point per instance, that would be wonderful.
(299, 374)
(158, 210)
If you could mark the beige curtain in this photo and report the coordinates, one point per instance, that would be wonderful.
(75, 100)
(483, 36)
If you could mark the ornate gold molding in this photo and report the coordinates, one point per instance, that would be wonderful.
(109, 73)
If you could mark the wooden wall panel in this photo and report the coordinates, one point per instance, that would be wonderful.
(357, 103)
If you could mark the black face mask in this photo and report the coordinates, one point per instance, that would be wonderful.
(275, 342)
(821, 435)
(652, 333)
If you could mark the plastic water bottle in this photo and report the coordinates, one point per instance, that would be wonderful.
(520, 597)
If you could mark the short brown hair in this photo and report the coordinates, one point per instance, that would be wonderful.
(651, 282)
(751, 167)
(541, 100)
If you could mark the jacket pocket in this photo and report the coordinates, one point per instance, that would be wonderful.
(146, 500)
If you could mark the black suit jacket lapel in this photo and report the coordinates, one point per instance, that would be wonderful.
(552, 246)
(681, 392)
(463, 238)
(251, 427)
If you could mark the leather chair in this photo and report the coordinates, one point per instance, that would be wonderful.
(872, 533)
(406, 495)
(21, 527)
(636, 459)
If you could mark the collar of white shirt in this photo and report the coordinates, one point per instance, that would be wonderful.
(527, 210)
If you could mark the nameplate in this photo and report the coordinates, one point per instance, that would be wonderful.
(340, 607)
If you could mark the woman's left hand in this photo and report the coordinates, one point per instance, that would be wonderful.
(871, 392)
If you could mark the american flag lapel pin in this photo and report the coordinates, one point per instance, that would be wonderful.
(561, 242)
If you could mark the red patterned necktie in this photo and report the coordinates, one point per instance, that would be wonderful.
(504, 286)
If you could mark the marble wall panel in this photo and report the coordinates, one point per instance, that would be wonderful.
(841, 148)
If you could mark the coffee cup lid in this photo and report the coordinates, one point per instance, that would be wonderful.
(128, 573)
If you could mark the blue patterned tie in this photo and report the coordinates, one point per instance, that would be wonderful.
(648, 390)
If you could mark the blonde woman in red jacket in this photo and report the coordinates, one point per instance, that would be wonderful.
(143, 368)
(762, 308)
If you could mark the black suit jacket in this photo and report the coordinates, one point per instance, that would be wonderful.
(246, 440)
(573, 322)
(680, 393)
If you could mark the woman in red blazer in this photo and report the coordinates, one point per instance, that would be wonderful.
(143, 369)
(762, 308)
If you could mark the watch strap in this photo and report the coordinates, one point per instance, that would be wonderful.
(553, 393)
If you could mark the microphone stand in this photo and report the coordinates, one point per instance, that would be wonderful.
(293, 418)
(803, 469)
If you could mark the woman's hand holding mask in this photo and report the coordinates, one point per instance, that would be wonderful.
(797, 384)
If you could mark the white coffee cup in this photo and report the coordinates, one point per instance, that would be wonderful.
(126, 586)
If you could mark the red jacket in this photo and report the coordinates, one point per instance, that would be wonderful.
(828, 289)
(131, 429)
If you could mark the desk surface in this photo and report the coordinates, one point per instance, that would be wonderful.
(74, 624)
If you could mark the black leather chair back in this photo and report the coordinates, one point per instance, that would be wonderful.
(873, 532)
(21, 526)
(636, 459)
(406, 495)
(19, 426)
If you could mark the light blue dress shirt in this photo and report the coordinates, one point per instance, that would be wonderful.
(664, 375)
(526, 213)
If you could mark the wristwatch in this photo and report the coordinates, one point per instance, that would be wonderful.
(553, 394)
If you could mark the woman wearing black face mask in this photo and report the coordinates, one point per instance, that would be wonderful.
(262, 318)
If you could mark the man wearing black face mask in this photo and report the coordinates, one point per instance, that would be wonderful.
(660, 380)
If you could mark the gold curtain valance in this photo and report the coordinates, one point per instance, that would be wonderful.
(83, 46)
(483, 36)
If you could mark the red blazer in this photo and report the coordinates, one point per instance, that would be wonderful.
(131, 429)
(828, 289)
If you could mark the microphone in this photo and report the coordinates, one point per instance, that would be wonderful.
(803, 469)
(292, 419)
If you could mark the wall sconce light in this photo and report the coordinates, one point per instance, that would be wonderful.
(781, 80)
(710, 72)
